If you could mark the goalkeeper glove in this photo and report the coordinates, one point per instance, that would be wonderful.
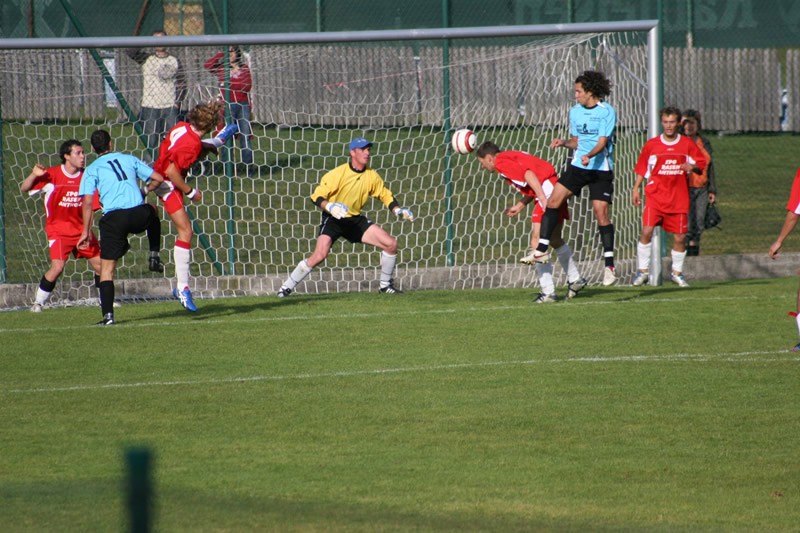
(405, 213)
(337, 210)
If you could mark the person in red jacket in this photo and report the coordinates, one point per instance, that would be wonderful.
(235, 85)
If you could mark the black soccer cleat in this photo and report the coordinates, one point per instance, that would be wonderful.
(390, 289)
(108, 320)
(155, 264)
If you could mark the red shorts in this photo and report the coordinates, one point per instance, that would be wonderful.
(671, 222)
(538, 213)
(172, 201)
(61, 247)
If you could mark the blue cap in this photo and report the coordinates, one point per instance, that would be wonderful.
(359, 142)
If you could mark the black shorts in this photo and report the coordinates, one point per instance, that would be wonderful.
(600, 182)
(351, 228)
(118, 224)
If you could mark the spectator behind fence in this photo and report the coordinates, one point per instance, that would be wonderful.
(702, 187)
(240, 83)
(163, 91)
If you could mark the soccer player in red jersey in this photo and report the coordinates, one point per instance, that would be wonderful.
(64, 224)
(789, 223)
(665, 162)
(535, 178)
(178, 152)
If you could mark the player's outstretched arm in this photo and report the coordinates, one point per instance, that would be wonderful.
(28, 183)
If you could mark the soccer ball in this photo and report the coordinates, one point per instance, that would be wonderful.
(464, 141)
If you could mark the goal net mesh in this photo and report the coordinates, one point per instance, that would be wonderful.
(308, 102)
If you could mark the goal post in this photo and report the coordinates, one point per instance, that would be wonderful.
(312, 93)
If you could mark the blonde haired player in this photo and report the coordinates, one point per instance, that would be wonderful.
(178, 152)
(341, 195)
(535, 178)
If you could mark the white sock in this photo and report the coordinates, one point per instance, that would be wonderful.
(298, 274)
(42, 296)
(797, 319)
(643, 253)
(387, 268)
(545, 271)
(567, 263)
(182, 257)
(677, 260)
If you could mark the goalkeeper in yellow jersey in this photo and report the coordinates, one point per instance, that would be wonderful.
(341, 195)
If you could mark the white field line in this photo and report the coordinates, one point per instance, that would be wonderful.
(739, 357)
(230, 320)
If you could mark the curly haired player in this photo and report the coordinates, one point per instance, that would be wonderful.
(592, 122)
(178, 152)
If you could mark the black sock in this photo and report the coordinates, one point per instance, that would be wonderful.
(607, 238)
(154, 235)
(46, 285)
(107, 297)
(549, 222)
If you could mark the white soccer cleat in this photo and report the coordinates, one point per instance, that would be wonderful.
(678, 279)
(575, 287)
(36, 308)
(284, 292)
(545, 298)
(609, 276)
(536, 257)
(640, 278)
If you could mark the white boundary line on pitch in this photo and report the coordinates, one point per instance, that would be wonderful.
(228, 320)
(745, 357)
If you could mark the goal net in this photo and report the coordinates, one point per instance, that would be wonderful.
(308, 100)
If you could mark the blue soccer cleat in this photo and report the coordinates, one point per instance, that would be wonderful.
(185, 296)
(229, 131)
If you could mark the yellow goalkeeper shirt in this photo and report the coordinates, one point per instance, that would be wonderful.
(352, 188)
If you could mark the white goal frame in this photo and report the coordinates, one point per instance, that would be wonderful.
(443, 279)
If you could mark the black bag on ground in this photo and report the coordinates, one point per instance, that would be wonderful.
(712, 216)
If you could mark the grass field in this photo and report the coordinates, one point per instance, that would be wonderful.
(628, 409)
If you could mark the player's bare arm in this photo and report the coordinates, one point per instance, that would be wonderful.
(177, 179)
(788, 225)
(533, 182)
(517, 208)
(88, 219)
(28, 183)
(636, 193)
(571, 143)
(154, 181)
(602, 142)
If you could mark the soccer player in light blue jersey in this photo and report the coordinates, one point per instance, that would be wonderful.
(591, 125)
(115, 177)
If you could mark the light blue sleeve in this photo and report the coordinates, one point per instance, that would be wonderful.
(610, 122)
(143, 170)
(88, 183)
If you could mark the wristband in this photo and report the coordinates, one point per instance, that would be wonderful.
(191, 194)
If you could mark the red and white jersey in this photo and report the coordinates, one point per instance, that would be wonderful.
(794, 198)
(512, 166)
(62, 203)
(660, 163)
(181, 146)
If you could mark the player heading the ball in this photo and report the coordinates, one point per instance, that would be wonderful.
(535, 179)
(341, 195)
